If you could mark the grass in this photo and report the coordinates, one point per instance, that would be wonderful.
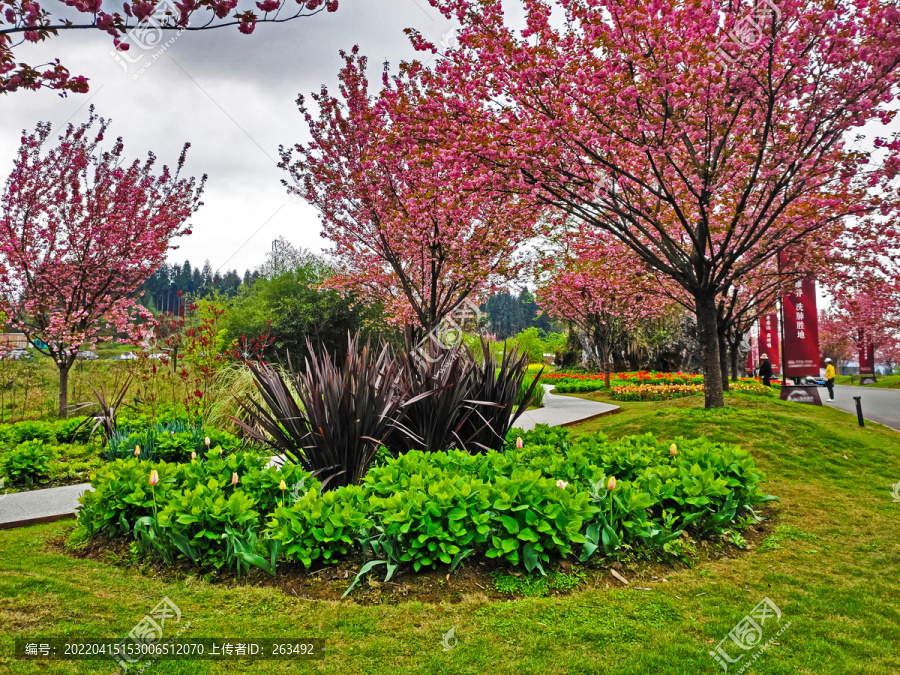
(884, 381)
(830, 565)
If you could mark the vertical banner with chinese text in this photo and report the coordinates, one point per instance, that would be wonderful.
(866, 353)
(801, 330)
(768, 340)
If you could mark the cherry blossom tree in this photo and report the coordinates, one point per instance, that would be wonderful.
(412, 227)
(80, 230)
(660, 124)
(867, 312)
(604, 290)
(834, 339)
(29, 21)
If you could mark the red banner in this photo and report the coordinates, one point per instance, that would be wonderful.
(768, 340)
(866, 354)
(751, 356)
(801, 330)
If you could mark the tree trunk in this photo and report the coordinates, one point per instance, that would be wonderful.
(64, 368)
(708, 335)
(735, 350)
(723, 359)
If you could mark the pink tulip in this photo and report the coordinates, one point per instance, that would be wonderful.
(520, 443)
(206, 440)
(234, 478)
(673, 450)
(154, 477)
(193, 455)
(137, 450)
(561, 484)
(611, 484)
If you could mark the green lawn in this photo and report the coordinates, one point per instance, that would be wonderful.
(884, 381)
(830, 565)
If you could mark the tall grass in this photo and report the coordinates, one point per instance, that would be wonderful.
(235, 383)
(537, 395)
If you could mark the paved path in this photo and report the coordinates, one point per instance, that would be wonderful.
(39, 506)
(36, 506)
(878, 405)
(563, 410)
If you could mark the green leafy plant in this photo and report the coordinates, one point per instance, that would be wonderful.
(27, 464)
(321, 526)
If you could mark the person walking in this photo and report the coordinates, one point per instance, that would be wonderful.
(765, 370)
(829, 378)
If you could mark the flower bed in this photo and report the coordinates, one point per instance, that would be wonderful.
(751, 386)
(559, 495)
(665, 392)
(568, 382)
(655, 392)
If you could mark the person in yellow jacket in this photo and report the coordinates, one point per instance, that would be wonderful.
(829, 378)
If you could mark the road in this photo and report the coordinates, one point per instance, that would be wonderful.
(879, 405)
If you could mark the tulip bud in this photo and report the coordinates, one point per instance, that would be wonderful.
(561, 484)
(137, 450)
(611, 484)
(282, 485)
(206, 440)
(154, 477)
(193, 455)
(234, 478)
(519, 443)
(673, 449)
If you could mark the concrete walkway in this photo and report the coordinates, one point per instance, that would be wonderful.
(39, 506)
(561, 411)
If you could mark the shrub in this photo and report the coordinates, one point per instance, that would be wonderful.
(27, 464)
(500, 395)
(344, 414)
(167, 442)
(122, 495)
(573, 386)
(437, 403)
(73, 430)
(434, 521)
(551, 498)
(320, 526)
(533, 518)
(198, 517)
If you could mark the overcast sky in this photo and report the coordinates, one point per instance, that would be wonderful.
(232, 97)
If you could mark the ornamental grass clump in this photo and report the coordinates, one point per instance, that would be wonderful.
(344, 413)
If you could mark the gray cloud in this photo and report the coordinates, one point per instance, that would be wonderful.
(233, 98)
